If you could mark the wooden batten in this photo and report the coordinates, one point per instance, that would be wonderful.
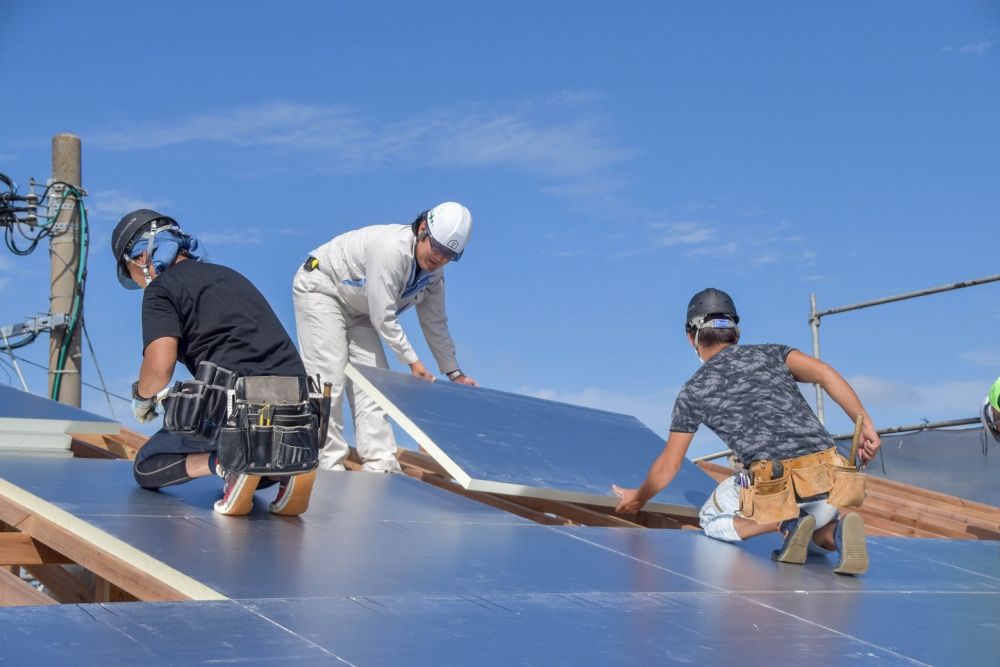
(14, 591)
(21, 549)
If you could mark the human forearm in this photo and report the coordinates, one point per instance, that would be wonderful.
(157, 368)
(660, 474)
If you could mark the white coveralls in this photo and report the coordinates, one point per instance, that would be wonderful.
(365, 279)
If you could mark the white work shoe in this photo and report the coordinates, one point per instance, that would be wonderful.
(237, 494)
(293, 494)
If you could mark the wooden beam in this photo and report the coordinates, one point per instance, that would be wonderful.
(486, 498)
(101, 560)
(84, 450)
(130, 569)
(14, 591)
(62, 584)
(21, 549)
(118, 446)
(573, 512)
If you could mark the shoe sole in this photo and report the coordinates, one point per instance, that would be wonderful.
(854, 555)
(797, 546)
(240, 500)
(295, 500)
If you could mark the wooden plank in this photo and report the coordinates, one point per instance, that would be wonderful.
(877, 525)
(907, 516)
(421, 459)
(573, 512)
(925, 509)
(99, 557)
(105, 591)
(14, 591)
(84, 450)
(132, 570)
(117, 446)
(21, 549)
(954, 504)
(485, 498)
(62, 584)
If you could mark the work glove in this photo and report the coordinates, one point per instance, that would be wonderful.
(144, 409)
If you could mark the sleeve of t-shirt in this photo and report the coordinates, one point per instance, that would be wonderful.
(687, 415)
(159, 316)
(782, 351)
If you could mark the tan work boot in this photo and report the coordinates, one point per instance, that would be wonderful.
(850, 539)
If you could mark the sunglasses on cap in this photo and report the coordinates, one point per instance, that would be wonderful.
(443, 250)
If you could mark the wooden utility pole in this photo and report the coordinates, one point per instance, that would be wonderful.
(65, 256)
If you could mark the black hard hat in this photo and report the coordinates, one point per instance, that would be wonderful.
(711, 301)
(128, 230)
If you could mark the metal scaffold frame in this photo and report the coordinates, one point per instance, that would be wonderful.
(816, 315)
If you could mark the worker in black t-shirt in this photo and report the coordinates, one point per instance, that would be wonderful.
(195, 311)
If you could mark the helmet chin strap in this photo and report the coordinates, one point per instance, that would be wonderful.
(150, 237)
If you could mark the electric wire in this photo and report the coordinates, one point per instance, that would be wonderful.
(93, 355)
(86, 384)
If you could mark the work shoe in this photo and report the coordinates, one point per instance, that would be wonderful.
(237, 494)
(798, 533)
(850, 538)
(293, 494)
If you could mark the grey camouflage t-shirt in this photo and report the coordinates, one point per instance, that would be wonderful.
(746, 394)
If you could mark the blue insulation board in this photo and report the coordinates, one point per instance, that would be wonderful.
(386, 570)
(555, 450)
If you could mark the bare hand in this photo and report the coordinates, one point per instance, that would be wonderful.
(417, 369)
(870, 441)
(465, 379)
(629, 500)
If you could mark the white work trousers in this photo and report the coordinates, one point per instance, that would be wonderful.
(716, 515)
(329, 336)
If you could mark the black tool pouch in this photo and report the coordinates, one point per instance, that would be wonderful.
(197, 408)
(272, 428)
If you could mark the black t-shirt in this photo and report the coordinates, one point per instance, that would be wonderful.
(217, 315)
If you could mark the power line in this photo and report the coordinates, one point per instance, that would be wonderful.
(92, 386)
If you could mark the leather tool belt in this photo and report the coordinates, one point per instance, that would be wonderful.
(271, 428)
(197, 408)
(777, 487)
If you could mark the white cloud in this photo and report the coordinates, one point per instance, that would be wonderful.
(978, 48)
(718, 250)
(682, 233)
(233, 236)
(112, 204)
(550, 136)
(950, 399)
(989, 357)
(4, 281)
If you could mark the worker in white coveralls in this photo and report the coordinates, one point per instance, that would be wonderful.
(348, 297)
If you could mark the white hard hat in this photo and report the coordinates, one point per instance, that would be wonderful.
(450, 227)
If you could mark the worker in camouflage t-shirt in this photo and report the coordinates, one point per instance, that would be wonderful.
(748, 395)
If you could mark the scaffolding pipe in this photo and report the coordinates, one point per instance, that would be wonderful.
(926, 426)
(908, 295)
(814, 325)
(815, 317)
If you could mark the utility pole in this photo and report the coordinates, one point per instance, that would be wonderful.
(65, 258)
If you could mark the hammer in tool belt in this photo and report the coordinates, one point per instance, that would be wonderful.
(855, 440)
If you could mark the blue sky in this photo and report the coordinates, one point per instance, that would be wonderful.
(617, 157)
